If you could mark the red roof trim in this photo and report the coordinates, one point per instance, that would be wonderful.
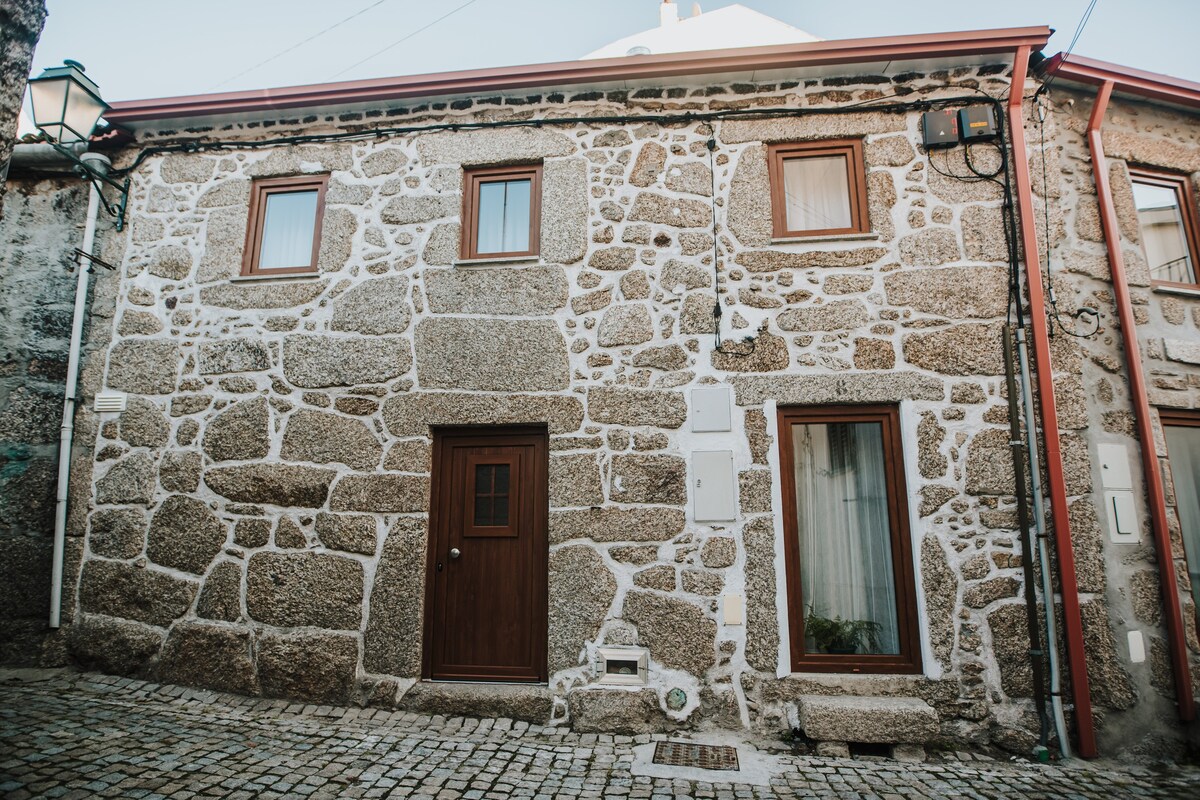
(844, 51)
(1078, 69)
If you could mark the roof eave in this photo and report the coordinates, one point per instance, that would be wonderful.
(575, 73)
(1126, 80)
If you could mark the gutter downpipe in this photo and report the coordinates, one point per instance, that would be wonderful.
(67, 430)
(1037, 655)
(1141, 408)
(1043, 551)
(1072, 616)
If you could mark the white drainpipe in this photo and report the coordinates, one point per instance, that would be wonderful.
(68, 421)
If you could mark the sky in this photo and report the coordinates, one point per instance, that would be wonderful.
(137, 49)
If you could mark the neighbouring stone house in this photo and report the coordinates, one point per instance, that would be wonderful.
(427, 404)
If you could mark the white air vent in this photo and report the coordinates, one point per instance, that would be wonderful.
(109, 401)
(624, 665)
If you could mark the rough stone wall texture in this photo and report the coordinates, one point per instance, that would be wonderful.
(1120, 582)
(265, 497)
(41, 227)
(21, 21)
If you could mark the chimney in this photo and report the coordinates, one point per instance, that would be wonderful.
(668, 13)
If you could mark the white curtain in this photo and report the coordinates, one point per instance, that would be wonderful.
(287, 237)
(503, 217)
(842, 517)
(818, 193)
(1183, 450)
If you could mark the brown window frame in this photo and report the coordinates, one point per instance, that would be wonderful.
(1185, 194)
(856, 183)
(260, 191)
(473, 178)
(1180, 418)
(908, 660)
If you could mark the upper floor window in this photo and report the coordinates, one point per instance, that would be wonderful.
(818, 188)
(284, 233)
(1167, 216)
(851, 601)
(502, 212)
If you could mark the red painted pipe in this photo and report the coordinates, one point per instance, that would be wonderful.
(1141, 409)
(1072, 618)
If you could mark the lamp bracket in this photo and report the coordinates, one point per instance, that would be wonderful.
(89, 173)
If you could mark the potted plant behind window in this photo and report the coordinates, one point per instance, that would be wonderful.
(838, 636)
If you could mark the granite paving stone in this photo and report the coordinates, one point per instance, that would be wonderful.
(76, 735)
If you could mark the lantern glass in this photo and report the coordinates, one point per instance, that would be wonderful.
(66, 103)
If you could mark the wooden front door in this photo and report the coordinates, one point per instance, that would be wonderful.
(487, 559)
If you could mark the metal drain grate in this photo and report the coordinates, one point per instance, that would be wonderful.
(699, 756)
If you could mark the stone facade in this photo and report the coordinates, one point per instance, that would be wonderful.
(21, 21)
(264, 501)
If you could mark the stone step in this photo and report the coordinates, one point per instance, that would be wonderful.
(527, 702)
(872, 720)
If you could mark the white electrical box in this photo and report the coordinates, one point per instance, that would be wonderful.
(1122, 518)
(1117, 480)
(733, 609)
(1137, 647)
(713, 485)
(710, 409)
(1114, 466)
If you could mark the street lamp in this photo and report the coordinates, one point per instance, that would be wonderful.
(66, 103)
(66, 107)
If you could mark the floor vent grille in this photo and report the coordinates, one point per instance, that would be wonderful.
(697, 756)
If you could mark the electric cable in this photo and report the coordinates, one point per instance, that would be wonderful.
(1055, 315)
(1083, 21)
(405, 38)
(712, 173)
(302, 42)
(369, 133)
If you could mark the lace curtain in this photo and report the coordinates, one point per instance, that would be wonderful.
(1183, 449)
(503, 217)
(842, 516)
(818, 194)
(287, 238)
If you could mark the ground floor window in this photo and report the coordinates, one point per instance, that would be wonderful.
(851, 601)
(1182, 431)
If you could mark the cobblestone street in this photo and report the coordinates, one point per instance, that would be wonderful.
(80, 736)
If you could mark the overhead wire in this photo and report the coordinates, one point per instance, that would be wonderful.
(404, 38)
(300, 43)
(1083, 21)
(1055, 314)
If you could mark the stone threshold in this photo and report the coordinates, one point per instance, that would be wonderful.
(520, 701)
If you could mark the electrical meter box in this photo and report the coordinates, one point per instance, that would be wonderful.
(978, 124)
(940, 129)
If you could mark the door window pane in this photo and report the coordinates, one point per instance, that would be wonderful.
(287, 233)
(846, 560)
(1183, 450)
(1164, 237)
(503, 216)
(817, 193)
(491, 495)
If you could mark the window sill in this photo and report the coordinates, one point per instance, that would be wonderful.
(1170, 288)
(287, 276)
(851, 680)
(486, 262)
(839, 237)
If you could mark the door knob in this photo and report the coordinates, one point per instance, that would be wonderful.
(455, 552)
